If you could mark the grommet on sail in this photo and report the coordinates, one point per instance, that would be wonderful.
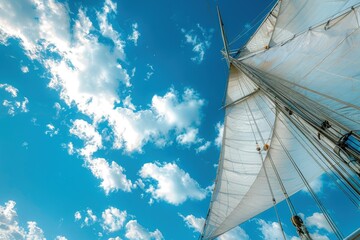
(292, 113)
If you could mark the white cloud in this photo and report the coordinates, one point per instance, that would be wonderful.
(116, 238)
(189, 137)
(89, 73)
(90, 218)
(60, 238)
(58, 108)
(193, 222)
(113, 219)
(203, 147)
(16, 104)
(70, 148)
(77, 216)
(135, 231)
(34, 232)
(270, 230)
(51, 130)
(174, 185)
(112, 176)
(199, 38)
(89, 135)
(235, 234)
(318, 220)
(24, 69)
(10, 89)
(316, 185)
(135, 34)
(220, 130)
(10, 229)
(107, 29)
(128, 104)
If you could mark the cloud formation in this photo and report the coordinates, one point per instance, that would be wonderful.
(113, 219)
(112, 175)
(173, 185)
(193, 222)
(135, 231)
(15, 104)
(199, 39)
(10, 228)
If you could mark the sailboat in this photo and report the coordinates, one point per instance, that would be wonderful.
(292, 113)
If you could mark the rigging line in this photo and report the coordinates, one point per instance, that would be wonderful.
(326, 215)
(315, 126)
(267, 178)
(333, 176)
(309, 137)
(331, 18)
(316, 105)
(306, 114)
(265, 101)
(265, 171)
(262, 20)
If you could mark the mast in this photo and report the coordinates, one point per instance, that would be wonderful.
(223, 35)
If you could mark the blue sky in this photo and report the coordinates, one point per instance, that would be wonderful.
(110, 121)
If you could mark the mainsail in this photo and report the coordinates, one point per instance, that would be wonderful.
(292, 111)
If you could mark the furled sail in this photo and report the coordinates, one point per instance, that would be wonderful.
(305, 57)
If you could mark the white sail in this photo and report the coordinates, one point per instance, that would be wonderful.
(305, 55)
(242, 189)
(321, 65)
(261, 39)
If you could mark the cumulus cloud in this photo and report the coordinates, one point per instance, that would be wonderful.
(90, 218)
(270, 230)
(111, 175)
(316, 185)
(318, 220)
(189, 137)
(9, 226)
(135, 231)
(199, 38)
(135, 34)
(235, 234)
(150, 72)
(86, 132)
(113, 219)
(220, 130)
(34, 232)
(193, 222)
(89, 73)
(173, 184)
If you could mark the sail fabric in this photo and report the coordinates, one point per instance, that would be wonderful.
(261, 39)
(239, 86)
(321, 65)
(292, 17)
(297, 16)
(240, 162)
(287, 143)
